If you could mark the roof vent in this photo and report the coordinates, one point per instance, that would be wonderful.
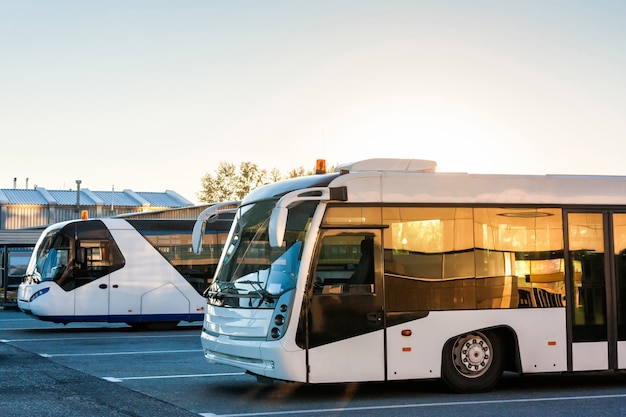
(389, 165)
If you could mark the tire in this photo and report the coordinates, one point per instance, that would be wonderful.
(472, 362)
(155, 326)
(161, 325)
(136, 325)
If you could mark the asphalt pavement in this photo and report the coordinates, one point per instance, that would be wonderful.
(33, 386)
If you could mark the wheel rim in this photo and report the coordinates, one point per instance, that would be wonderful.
(471, 355)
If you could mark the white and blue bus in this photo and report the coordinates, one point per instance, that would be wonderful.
(135, 271)
(388, 270)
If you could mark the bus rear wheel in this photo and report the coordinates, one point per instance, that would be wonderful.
(472, 362)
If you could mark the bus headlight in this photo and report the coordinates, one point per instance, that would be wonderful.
(280, 316)
(279, 321)
(39, 294)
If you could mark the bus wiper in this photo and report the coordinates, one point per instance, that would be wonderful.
(218, 289)
(263, 294)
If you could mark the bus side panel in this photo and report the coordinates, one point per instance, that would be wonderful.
(540, 333)
(145, 271)
(590, 356)
(166, 299)
(356, 359)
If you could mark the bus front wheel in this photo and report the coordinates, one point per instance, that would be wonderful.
(472, 362)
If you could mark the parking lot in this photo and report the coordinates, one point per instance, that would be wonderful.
(126, 372)
(100, 369)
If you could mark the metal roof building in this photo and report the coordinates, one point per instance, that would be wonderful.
(24, 208)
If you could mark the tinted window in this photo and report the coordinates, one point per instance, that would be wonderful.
(440, 258)
(89, 252)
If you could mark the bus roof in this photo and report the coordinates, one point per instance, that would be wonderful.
(389, 165)
(415, 181)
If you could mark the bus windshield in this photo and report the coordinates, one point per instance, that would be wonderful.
(51, 256)
(74, 255)
(251, 273)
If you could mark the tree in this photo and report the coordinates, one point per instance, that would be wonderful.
(222, 187)
(250, 177)
(275, 175)
(229, 183)
(300, 172)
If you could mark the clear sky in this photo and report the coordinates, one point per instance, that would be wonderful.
(151, 95)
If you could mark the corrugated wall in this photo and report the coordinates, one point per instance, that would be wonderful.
(17, 217)
(187, 213)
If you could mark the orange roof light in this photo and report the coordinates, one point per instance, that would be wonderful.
(320, 166)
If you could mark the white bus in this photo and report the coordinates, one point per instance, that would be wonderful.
(387, 270)
(140, 272)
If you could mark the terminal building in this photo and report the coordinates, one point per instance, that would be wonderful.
(25, 213)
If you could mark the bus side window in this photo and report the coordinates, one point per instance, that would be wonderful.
(364, 273)
(95, 254)
(345, 264)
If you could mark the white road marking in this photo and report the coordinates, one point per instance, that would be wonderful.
(26, 319)
(116, 379)
(61, 339)
(424, 405)
(143, 352)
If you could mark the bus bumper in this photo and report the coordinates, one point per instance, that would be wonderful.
(258, 357)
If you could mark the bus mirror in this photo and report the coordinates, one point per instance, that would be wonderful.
(277, 226)
(278, 220)
(197, 235)
(208, 215)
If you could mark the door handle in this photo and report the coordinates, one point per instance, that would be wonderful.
(375, 317)
(115, 286)
(102, 286)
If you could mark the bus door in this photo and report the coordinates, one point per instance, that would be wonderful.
(95, 257)
(597, 290)
(91, 301)
(91, 281)
(344, 308)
